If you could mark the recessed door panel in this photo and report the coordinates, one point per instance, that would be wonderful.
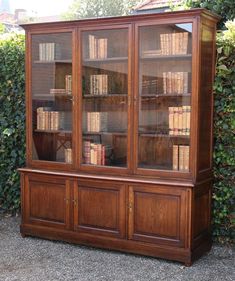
(48, 201)
(100, 209)
(157, 215)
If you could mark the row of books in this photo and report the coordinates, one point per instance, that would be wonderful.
(99, 84)
(179, 120)
(68, 155)
(174, 43)
(97, 121)
(97, 47)
(95, 153)
(175, 82)
(47, 51)
(180, 157)
(47, 119)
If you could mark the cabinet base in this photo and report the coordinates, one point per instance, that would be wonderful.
(135, 247)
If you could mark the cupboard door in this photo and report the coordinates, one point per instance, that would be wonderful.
(164, 97)
(105, 100)
(158, 215)
(100, 208)
(47, 201)
(51, 97)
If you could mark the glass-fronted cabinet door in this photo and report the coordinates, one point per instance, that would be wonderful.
(51, 91)
(164, 97)
(105, 96)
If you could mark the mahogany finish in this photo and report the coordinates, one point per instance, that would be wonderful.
(135, 202)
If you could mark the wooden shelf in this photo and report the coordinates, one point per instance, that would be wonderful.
(105, 133)
(166, 95)
(156, 135)
(154, 167)
(166, 57)
(104, 96)
(52, 61)
(53, 131)
(50, 97)
(106, 60)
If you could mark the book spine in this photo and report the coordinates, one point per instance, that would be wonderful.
(46, 52)
(186, 157)
(95, 154)
(188, 117)
(40, 51)
(68, 155)
(95, 48)
(185, 82)
(91, 46)
(184, 120)
(185, 43)
(171, 120)
(86, 152)
(92, 152)
(173, 43)
(176, 121)
(180, 124)
(175, 157)
(181, 157)
(164, 82)
(99, 148)
(68, 84)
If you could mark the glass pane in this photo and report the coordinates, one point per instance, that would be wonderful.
(165, 60)
(105, 96)
(52, 97)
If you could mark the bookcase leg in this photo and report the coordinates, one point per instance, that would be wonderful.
(23, 235)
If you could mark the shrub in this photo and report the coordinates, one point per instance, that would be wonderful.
(12, 119)
(224, 136)
(226, 9)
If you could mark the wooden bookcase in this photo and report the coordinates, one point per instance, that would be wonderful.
(119, 133)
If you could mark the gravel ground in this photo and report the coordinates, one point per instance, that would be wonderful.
(33, 259)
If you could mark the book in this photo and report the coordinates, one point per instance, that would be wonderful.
(176, 121)
(68, 84)
(186, 158)
(99, 84)
(48, 119)
(180, 157)
(179, 120)
(175, 157)
(97, 121)
(97, 47)
(175, 43)
(188, 119)
(171, 120)
(175, 83)
(43, 118)
(96, 153)
(68, 155)
(47, 51)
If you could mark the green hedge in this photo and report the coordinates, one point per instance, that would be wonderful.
(12, 130)
(224, 137)
(12, 119)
